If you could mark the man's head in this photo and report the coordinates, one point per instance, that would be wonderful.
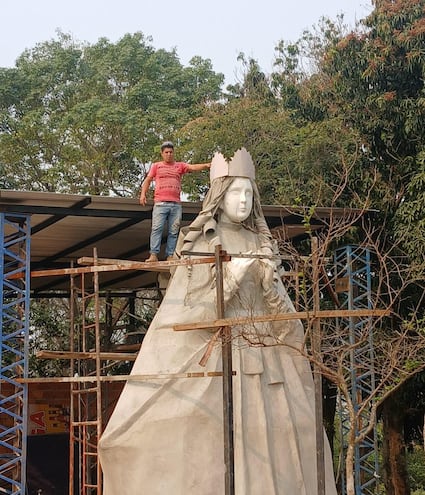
(167, 144)
(167, 151)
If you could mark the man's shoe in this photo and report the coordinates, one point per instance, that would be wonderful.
(153, 257)
(170, 258)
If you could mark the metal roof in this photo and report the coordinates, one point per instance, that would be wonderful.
(66, 227)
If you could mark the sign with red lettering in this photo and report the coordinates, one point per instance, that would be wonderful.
(47, 418)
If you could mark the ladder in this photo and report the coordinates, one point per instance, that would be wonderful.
(86, 397)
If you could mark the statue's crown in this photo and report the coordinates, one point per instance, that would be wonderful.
(240, 165)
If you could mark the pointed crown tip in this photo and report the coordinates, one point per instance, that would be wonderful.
(240, 165)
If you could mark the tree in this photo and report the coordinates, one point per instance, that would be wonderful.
(296, 164)
(377, 84)
(298, 80)
(85, 119)
(398, 341)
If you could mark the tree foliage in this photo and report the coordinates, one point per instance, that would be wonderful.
(378, 80)
(356, 114)
(342, 111)
(86, 118)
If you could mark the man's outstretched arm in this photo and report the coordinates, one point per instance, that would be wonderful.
(196, 167)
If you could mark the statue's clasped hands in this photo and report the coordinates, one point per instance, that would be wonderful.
(264, 266)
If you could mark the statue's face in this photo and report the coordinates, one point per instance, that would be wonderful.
(237, 202)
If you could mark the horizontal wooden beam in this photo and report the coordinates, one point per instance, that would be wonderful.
(126, 347)
(97, 268)
(120, 378)
(153, 266)
(297, 315)
(88, 260)
(113, 356)
(113, 265)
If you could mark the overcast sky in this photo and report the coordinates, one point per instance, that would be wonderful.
(217, 29)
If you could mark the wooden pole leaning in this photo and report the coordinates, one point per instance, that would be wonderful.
(226, 353)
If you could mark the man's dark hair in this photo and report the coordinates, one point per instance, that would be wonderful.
(167, 144)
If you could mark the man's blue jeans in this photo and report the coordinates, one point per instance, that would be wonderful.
(165, 212)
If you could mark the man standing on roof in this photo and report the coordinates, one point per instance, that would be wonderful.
(167, 207)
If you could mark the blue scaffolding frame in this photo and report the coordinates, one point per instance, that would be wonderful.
(354, 287)
(14, 299)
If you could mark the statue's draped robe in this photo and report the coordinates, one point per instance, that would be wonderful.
(166, 436)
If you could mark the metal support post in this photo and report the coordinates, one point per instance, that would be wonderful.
(353, 286)
(14, 325)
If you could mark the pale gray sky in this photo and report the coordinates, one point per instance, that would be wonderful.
(218, 29)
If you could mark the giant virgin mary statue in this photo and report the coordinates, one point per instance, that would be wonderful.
(165, 437)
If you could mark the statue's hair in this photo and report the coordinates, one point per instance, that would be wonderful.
(206, 221)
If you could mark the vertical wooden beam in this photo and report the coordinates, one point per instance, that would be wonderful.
(226, 337)
(98, 374)
(72, 319)
(317, 354)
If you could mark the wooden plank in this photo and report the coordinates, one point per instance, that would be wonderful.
(97, 268)
(126, 347)
(116, 356)
(290, 274)
(297, 315)
(251, 255)
(112, 265)
(120, 378)
(126, 265)
(342, 284)
(87, 260)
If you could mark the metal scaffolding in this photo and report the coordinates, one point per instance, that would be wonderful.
(354, 288)
(354, 313)
(14, 300)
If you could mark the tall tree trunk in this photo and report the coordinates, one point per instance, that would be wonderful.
(396, 478)
(349, 466)
(329, 409)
